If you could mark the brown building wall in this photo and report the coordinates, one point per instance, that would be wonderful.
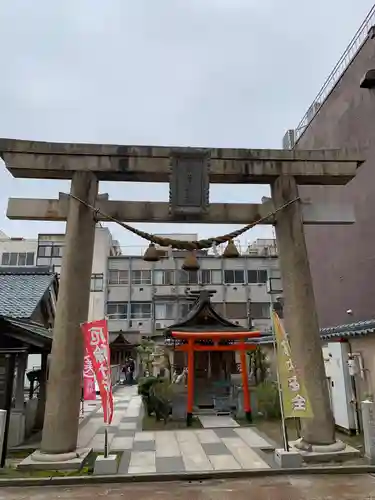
(342, 258)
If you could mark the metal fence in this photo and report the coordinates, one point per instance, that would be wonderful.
(344, 61)
(244, 248)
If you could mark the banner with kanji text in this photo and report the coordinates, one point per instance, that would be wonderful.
(295, 399)
(96, 341)
(89, 391)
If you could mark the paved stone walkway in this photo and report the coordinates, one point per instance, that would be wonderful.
(157, 452)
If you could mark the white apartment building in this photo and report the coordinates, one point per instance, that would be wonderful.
(16, 252)
(144, 298)
(50, 248)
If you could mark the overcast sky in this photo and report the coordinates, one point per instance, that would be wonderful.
(220, 73)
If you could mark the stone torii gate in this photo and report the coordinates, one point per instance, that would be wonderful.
(189, 172)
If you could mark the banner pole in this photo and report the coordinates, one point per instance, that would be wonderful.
(280, 391)
(106, 443)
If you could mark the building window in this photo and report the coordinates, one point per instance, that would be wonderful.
(164, 310)
(141, 277)
(117, 310)
(17, 259)
(236, 310)
(257, 276)
(162, 277)
(49, 249)
(184, 308)
(44, 251)
(140, 310)
(232, 276)
(118, 277)
(57, 251)
(206, 277)
(211, 277)
(187, 277)
(97, 282)
(30, 258)
(259, 310)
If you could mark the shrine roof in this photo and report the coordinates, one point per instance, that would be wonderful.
(203, 317)
(23, 288)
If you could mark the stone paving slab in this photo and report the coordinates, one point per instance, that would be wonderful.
(142, 462)
(224, 462)
(144, 446)
(168, 465)
(123, 426)
(214, 421)
(215, 449)
(252, 438)
(226, 433)
(207, 436)
(125, 433)
(122, 443)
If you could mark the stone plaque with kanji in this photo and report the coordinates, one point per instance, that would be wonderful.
(189, 183)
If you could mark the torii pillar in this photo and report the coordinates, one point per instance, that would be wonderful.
(61, 418)
(301, 319)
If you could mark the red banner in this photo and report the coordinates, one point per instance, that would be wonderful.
(89, 392)
(97, 348)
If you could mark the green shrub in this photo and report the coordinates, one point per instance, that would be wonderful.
(144, 386)
(160, 399)
(156, 396)
(268, 399)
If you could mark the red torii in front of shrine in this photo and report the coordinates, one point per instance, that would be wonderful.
(205, 330)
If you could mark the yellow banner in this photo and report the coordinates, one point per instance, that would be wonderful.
(295, 398)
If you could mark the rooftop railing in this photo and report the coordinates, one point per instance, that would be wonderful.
(344, 61)
(243, 248)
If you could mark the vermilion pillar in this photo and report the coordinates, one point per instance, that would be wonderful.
(245, 384)
(190, 382)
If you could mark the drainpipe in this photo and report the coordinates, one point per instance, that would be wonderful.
(351, 356)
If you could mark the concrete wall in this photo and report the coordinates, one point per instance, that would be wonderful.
(22, 422)
(342, 258)
(98, 300)
(102, 249)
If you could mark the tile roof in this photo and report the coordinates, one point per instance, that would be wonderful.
(31, 326)
(204, 317)
(348, 330)
(22, 289)
(32, 334)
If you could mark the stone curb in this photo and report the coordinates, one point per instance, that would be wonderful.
(182, 476)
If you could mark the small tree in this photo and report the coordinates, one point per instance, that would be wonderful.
(146, 353)
(258, 365)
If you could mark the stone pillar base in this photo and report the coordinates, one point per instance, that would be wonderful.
(335, 452)
(60, 461)
(301, 445)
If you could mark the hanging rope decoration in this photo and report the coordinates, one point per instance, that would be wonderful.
(187, 245)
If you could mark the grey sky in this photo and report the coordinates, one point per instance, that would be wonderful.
(163, 72)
